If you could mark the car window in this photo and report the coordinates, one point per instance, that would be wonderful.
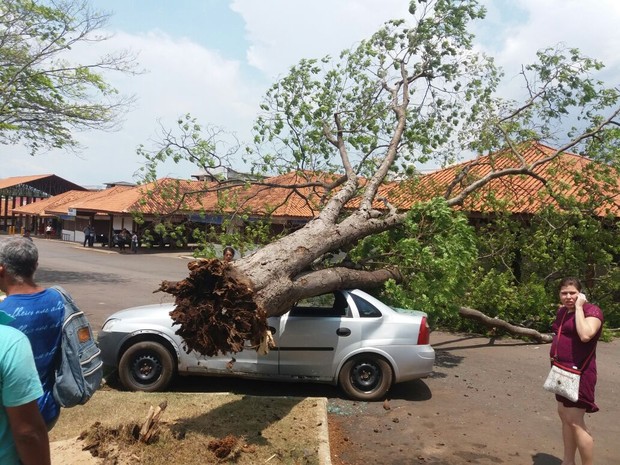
(366, 309)
(325, 305)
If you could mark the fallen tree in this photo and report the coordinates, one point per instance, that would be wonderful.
(405, 96)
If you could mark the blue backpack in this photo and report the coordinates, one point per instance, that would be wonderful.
(80, 368)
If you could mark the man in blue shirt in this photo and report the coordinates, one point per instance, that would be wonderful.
(37, 312)
(23, 434)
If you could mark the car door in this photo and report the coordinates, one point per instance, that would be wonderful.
(249, 361)
(314, 339)
(245, 362)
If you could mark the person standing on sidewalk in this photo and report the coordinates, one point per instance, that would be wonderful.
(87, 232)
(134, 242)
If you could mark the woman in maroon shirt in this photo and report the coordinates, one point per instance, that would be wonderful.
(582, 324)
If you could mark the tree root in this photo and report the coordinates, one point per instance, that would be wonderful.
(215, 309)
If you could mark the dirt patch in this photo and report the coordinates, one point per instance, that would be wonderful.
(195, 429)
(122, 444)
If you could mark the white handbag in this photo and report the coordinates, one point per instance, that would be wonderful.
(563, 381)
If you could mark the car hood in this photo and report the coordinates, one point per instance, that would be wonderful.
(153, 311)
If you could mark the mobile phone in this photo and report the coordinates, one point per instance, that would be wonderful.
(581, 294)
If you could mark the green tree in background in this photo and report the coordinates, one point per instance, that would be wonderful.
(521, 264)
(44, 95)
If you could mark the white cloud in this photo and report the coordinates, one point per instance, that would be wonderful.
(182, 77)
(282, 31)
(590, 26)
(185, 77)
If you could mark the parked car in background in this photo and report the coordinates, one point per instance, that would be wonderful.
(350, 339)
(118, 239)
(121, 239)
(102, 239)
(154, 239)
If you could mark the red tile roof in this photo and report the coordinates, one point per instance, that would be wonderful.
(296, 195)
(147, 199)
(56, 205)
(517, 193)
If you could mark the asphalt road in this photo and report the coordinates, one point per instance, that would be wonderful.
(103, 281)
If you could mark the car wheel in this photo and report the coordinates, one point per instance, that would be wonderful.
(146, 366)
(366, 377)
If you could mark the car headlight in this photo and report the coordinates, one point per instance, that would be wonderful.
(109, 324)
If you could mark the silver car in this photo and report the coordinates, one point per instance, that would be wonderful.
(347, 338)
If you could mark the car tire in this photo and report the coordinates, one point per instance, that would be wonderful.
(366, 377)
(146, 366)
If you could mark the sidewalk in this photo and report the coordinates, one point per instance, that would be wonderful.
(162, 251)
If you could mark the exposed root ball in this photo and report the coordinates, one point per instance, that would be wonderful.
(215, 309)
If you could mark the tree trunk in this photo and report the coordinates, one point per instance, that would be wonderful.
(497, 323)
(281, 273)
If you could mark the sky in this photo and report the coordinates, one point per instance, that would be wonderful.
(215, 59)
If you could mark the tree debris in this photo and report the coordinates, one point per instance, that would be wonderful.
(215, 309)
(226, 446)
(498, 323)
(150, 427)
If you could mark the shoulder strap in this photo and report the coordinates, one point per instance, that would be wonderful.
(61, 291)
(70, 306)
(65, 295)
(583, 365)
(555, 355)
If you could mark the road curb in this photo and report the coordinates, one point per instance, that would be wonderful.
(323, 434)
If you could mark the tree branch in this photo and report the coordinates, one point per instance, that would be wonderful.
(330, 279)
(497, 323)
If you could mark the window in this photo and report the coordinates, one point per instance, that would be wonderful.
(366, 309)
(326, 305)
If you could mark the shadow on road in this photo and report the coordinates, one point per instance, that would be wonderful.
(444, 359)
(415, 390)
(47, 276)
(545, 459)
